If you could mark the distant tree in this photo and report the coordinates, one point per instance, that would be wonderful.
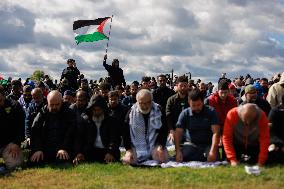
(38, 75)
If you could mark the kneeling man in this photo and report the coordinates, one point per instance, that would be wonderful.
(145, 136)
(201, 122)
(52, 133)
(246, 135)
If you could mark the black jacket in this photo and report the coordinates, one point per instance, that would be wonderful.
(87, 129)
(115, 74)
(78, 112)
(119, 114)
(71, 74)
(63, 132)
(88, 133)
(161, 95)
(12, 119)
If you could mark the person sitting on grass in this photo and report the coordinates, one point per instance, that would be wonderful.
(12, 131)
(99, 136)
(202, 124)
(246, 135)
(144, 135)
(52, 133)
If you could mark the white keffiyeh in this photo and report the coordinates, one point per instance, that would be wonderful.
(142, 144)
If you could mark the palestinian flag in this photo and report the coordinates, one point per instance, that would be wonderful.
(89, 30)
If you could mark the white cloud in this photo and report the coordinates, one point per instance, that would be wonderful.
(54, 27)
(148, 37)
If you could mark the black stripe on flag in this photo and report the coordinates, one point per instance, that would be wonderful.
(81, 23)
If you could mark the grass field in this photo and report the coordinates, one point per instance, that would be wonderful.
(117, 176)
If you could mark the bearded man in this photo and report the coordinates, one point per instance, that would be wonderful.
(144, 135)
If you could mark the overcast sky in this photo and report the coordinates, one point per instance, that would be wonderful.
(149, 37)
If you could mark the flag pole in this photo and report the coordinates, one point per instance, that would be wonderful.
(109, 34)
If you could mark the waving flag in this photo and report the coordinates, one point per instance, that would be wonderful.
(89, 30)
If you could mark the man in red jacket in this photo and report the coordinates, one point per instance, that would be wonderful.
(222, 102)
(246, 135)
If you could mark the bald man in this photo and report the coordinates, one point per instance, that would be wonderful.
(53, 131)
(246, 135)
(145, 136)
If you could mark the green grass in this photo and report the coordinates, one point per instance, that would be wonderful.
(117, 176)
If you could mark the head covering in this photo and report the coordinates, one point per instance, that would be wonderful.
(232, 86)
(32, 84)
(97, 101)
(69, 93)
(250, 89)
(257, 86)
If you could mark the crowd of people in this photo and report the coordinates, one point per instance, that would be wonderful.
(239, 120)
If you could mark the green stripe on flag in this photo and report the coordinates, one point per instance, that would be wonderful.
(90, 37)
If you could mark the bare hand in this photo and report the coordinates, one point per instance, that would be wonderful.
(28, 140)
(161, 154)
(14, 150)
(272, 147)
(171, 136)
(62, 154)
(37, 156)
(128, 157)
(234, 163)
(109, 158)
(179, 156)
(211, 157)
(220, 142)
(78, 159)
